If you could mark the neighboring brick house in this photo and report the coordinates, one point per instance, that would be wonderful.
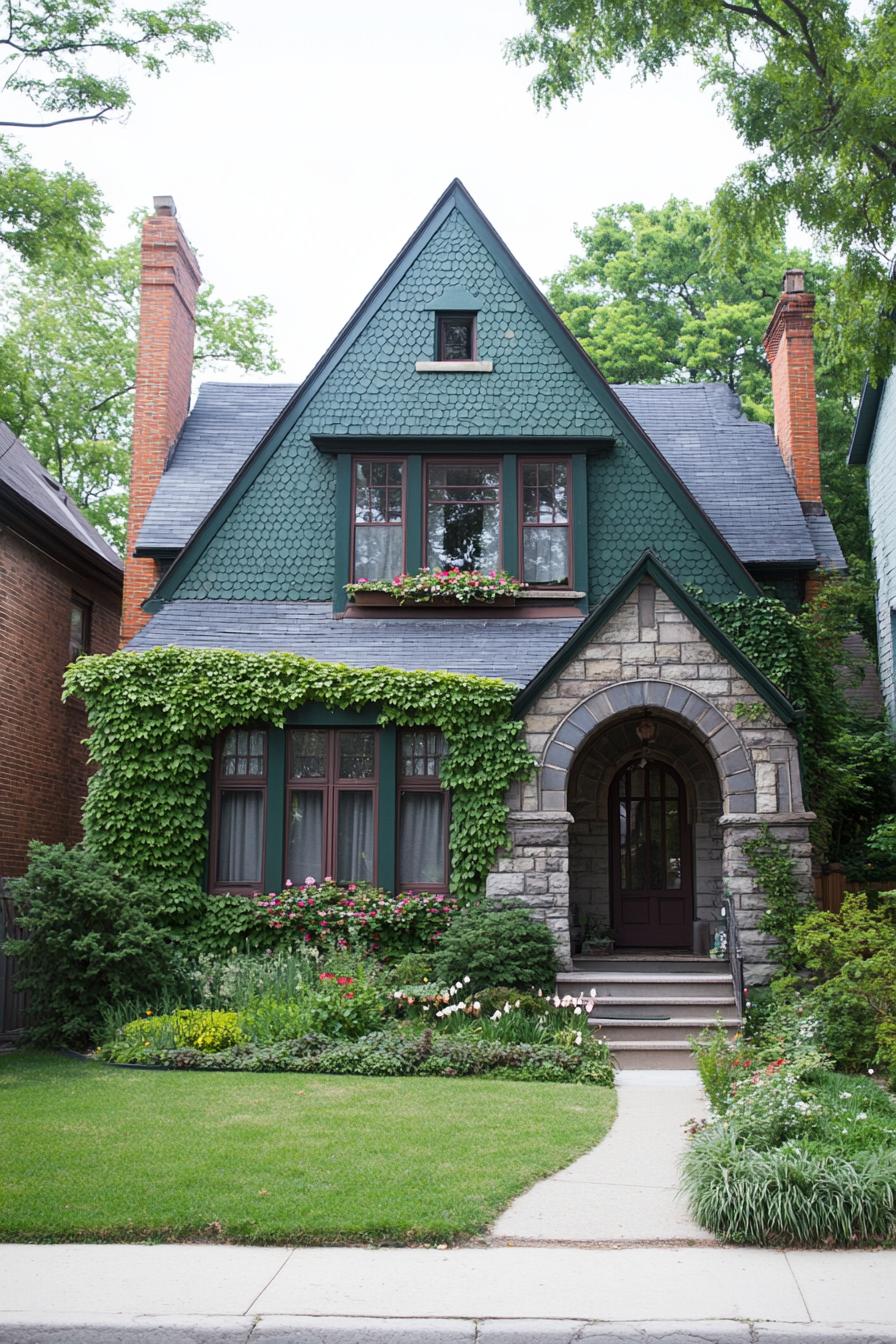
(874, 446)
(455, 420)
(60, 595)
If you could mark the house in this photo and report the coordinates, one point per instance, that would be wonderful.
(60, 596)
(455, 421)
(874, 446)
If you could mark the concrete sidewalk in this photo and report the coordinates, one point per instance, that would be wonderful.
(626, 1189)
(229, 1294)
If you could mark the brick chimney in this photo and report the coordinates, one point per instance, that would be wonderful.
(789, 347)
(169, 279)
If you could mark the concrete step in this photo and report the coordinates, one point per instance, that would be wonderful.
(652, 1054)
(616, 983)
(677, 965)
(616, 1030)
(642, 1008)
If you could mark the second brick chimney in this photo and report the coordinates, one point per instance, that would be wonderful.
(789, 347)
(169, 280)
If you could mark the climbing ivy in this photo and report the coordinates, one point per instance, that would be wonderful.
(772, 863)
(847, 758)
(153, 718)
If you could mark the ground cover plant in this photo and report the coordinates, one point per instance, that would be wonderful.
(796, 1153)
(274, 1158)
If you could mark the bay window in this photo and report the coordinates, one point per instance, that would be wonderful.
(331, 804)
(241, 790)
(378, 543)
(422, 811)
(463, 515)
(544, 518)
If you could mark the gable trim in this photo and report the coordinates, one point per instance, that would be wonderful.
(866, 420)
(456, 197)
(649, 566)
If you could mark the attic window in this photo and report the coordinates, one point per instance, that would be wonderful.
(455, 336)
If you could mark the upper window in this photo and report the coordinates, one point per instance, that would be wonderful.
(78, 628)
(545, 523)
(463, 515)
(241, 787)
(456, 336)
(331, 822)
(378, 546)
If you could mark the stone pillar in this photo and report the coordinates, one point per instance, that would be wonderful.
(535, 869)
(740, 885)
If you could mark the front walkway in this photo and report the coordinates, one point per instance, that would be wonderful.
(624, 1191)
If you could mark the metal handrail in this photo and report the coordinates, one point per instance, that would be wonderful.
(735, 955)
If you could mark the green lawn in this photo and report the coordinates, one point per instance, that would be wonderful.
(98, 1153)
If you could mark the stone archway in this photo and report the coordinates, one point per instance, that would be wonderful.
(709, 727)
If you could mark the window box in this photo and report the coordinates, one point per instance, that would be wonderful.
(375, 599)
(433, 587)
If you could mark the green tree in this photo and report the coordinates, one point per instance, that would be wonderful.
(653, 299)
(68, 346)
(810, 88)
(61, 62)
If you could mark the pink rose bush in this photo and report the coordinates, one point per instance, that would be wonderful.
(357, 915)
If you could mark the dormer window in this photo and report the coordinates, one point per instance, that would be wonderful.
(455, 336)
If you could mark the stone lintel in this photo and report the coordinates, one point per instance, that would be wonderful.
(771, 819)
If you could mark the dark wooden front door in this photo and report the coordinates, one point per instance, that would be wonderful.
(650, 858)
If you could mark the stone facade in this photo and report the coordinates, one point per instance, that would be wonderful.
(648, 658)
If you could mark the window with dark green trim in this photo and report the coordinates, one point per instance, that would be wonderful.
(422, 811)
(455, 336)
(463, 514)
(239, 808)
(545, 552)
(378, 514)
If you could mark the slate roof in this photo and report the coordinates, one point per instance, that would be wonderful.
(25, 483)
(730, 464)
(514, 650)
(734, 469)
(220, 432)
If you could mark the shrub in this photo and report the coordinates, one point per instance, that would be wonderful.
(93, 940)
(853, 957)
(718, 1061)
(358, 915)
(414, 968)
(188, 1028)
(501, 945)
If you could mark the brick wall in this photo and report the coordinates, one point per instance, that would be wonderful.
(169, 280)
(43, 765)
(882, 494)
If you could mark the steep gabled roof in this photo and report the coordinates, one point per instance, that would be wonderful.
(648, 566)
(457, 197)
(866, 419)
(28, 487)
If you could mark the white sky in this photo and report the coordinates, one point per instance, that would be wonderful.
(304, 156)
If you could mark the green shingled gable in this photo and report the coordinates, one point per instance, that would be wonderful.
(277, 542)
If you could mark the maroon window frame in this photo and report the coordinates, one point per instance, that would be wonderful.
(543, 466)
(492, 464)
(239, 781)
(446, 338)
(420, 752)
(361, 503)
(332, 784)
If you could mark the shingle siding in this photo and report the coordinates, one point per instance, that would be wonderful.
(277, 544)
(882, 494)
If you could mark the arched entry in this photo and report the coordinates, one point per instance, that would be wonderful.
(651, 868)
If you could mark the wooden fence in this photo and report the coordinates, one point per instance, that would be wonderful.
(831, 883)
(13, 1003)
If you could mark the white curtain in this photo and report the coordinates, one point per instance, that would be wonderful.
(354, 836)
(305, 842)
(240, 836)
(545, 555)
(421, 839)
(379, 552)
